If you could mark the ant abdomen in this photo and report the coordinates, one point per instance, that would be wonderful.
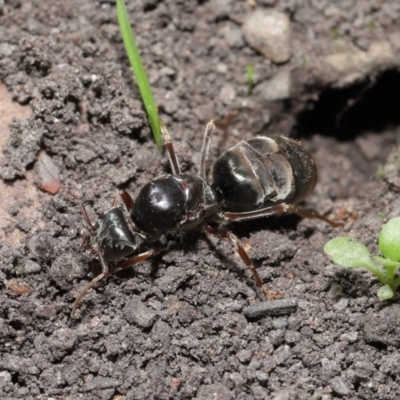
(263, 171)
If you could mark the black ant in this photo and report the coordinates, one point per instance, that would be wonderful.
(256, 178)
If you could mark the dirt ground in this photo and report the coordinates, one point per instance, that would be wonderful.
(175, 327)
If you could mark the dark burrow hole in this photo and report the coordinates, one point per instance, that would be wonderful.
(346, 113)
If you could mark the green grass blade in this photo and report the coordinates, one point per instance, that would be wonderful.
(250, 78)
(139, 71)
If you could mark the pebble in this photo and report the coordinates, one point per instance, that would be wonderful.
(32, 267)
(339, 387)
(63, 339)
(347, 66)
(6, 49)
(341, 305)
(102, 382)
(281, 354)
(275, 89)
(19, 364)
(233, 36)
(227, 94)
(383, 326)
(138, 313)
(262, 377)
(268, 31)
(244, 356)
(350, 337)
(215, 391)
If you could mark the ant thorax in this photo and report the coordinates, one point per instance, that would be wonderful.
(172, 203)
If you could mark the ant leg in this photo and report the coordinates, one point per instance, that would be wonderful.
(222, 124)
(116, 200)
(301, 212)
(176, 169)
(280, 208)
(126, 264)
(244, 256)
(127, 200)
(86, 243)
(205, 148)
(83, 209)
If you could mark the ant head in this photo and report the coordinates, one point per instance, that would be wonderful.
(112, 234)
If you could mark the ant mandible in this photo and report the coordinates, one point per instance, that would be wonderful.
(255, 178)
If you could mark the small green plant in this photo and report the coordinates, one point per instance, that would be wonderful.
(381, 173)
(335, 33)
(139, 71)
(250, 78)
(351, 253)
(19, 268)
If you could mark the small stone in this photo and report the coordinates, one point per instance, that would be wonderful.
(288, 394)
(101, 382)
(64, 270)
(352, 64)
(24, 224)
(279, 323)
(216, 391)
(233, 36)
(269, 33)
(221, 8)
(350, 337)
(138, 313)
(227, 94)
(62, 339)
(262, 377)
(51, 377)
(276, 88)
(106, 394)
(339, 387)
(383, 326)
(19, 364)
(5, 377)
(282, 354)
(71, 374)
(392, 167)
(6, 49)
(341, 305)
(85, 155)
(47, 311)
(32, 267)
(221, 68)
(112, 152)
(244, 356)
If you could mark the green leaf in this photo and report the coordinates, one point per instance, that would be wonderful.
(348, 252)
(389, 239)
(139, 71)
(386, 262)
(390, 267)
(385, 293)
